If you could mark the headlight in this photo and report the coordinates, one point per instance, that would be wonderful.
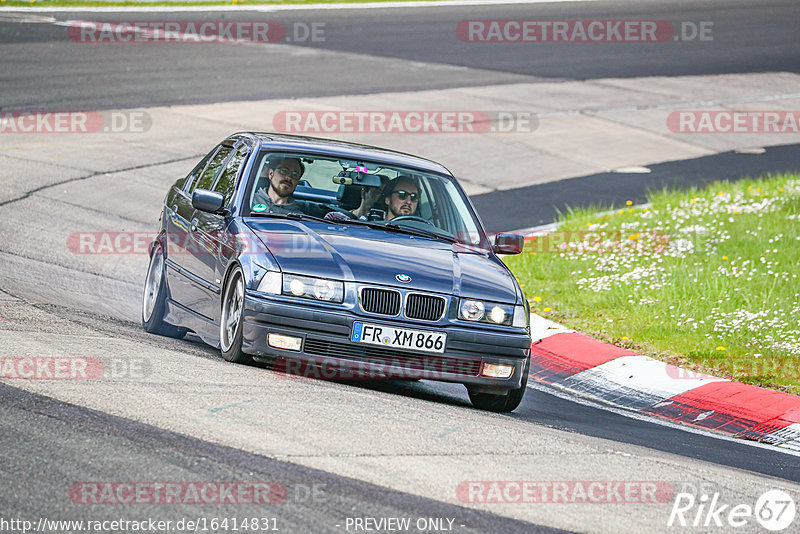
(497, 315)
(271, 283)
(297, 288)
(325, 289)
(471, 310)
(486, 312)
(313, 288)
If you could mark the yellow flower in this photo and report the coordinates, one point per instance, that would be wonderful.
(735, 212)
(724, 257)
(719, 194)
(758, 189)
(546, 309)
(630, 202)
(537, 299)
(624, 338)
(720, 348)
(630, 210)
(633, 237)
(621, 211)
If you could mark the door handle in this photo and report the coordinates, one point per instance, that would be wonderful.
(194, 225)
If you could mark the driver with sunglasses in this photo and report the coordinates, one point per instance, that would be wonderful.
(401, 197)
(282, 175)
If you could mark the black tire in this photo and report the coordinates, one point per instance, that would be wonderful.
(154, 300)
(231, 319)
(506, 402)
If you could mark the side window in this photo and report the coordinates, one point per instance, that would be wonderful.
(227, 180)
(216, 162)
(190, 179)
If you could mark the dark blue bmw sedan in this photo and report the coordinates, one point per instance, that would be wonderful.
(342, 261)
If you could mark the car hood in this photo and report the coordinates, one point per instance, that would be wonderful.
(373, 256)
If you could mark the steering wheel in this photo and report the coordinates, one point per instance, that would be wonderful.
(410, 218)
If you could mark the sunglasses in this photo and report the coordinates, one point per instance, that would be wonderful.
(402, 195)
(288, 172)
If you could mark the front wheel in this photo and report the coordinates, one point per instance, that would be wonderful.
(506, 402)
(154, 300)
(231, 319)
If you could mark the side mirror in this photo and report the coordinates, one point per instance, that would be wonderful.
(209, 201)
(508, 243)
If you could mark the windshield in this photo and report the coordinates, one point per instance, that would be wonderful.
(371, 193)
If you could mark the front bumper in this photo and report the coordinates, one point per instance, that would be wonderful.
(327, 351)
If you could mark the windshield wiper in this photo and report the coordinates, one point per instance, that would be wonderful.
(418, 231)
(393, 228)
(295, 215)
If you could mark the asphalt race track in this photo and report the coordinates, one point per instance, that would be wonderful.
(748, 37)
(175, 412)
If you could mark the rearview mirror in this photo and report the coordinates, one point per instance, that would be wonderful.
(208, 201)
(508, 243)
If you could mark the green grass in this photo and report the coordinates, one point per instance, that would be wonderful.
(706, 279)
(176, 3)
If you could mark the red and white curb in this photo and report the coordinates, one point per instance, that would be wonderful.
(587, 367)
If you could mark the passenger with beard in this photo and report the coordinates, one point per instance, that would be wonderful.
(282, 175)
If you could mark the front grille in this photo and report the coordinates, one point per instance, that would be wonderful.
(396, 358)
(380, 301)
(424, 307)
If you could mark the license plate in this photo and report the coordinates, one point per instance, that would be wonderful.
(398, 338)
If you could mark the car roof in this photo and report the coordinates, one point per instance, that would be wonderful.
(291, 143)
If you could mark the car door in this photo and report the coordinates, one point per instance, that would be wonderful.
(212, 238)
(179, 212)
(196, 285)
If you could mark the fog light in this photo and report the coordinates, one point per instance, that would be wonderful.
(497, 370)
(280, 341)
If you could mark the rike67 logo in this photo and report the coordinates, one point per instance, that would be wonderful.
(774, 510)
